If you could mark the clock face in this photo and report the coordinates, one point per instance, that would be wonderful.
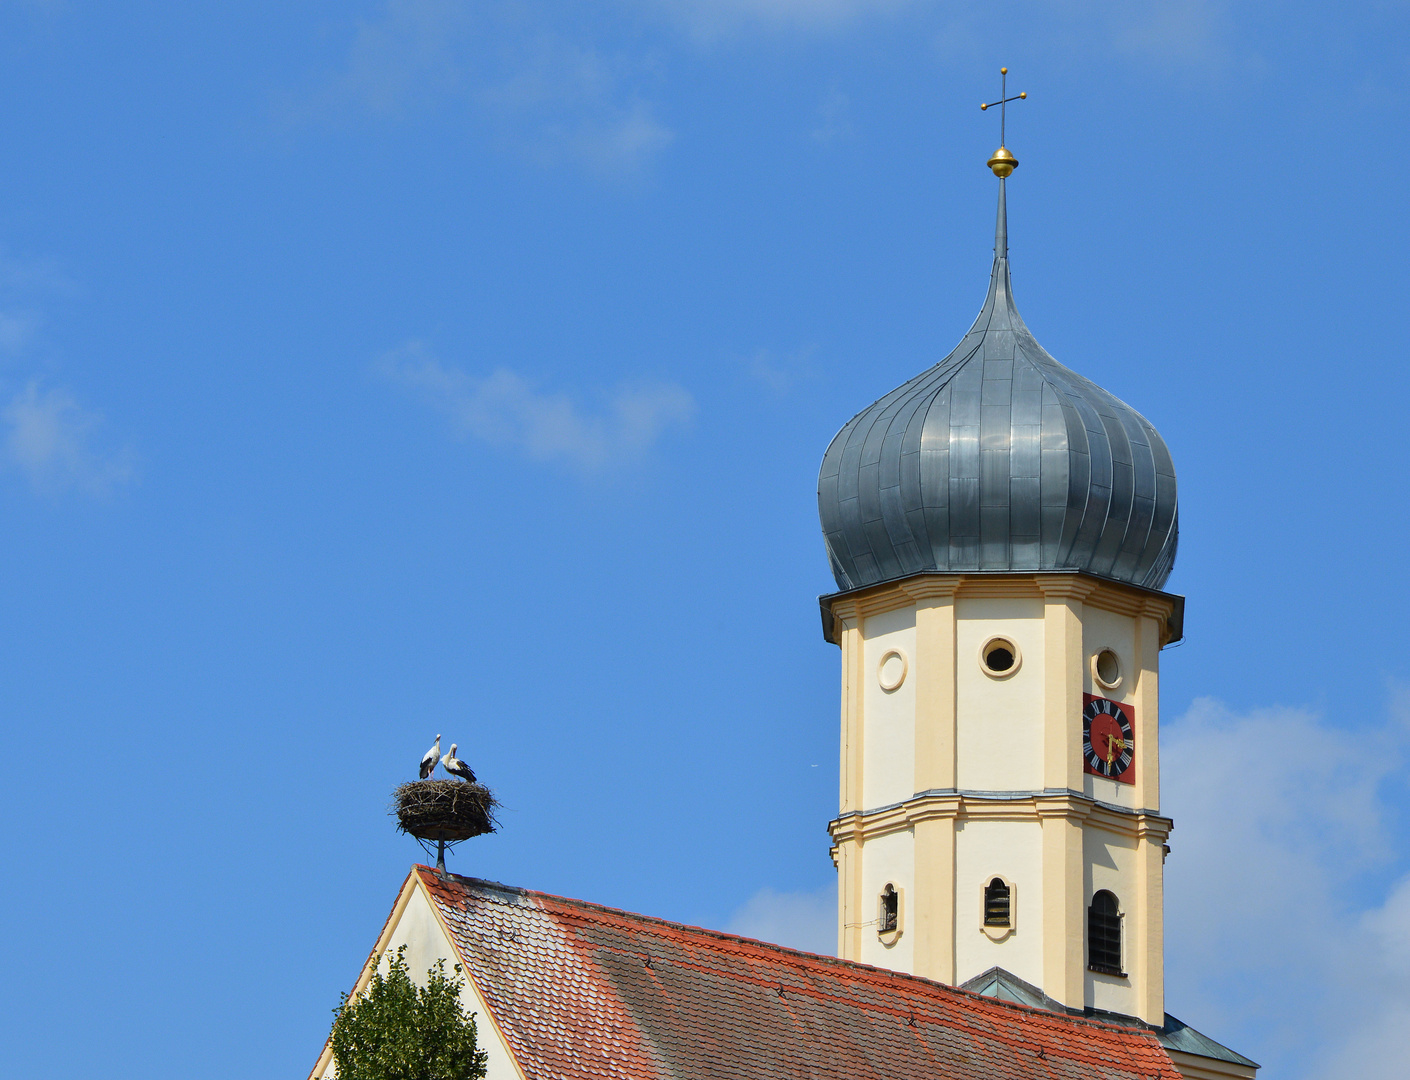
(1108, 742)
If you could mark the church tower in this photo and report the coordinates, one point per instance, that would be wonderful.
(1000, 529)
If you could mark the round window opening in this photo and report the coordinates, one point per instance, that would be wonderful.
(1107, 668)
(999, 657)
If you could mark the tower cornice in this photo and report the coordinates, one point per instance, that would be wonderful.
(1065, 586)
(957, 805)
(1168, 609)
(931, 586)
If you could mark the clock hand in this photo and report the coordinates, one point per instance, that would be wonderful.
(1113, 744)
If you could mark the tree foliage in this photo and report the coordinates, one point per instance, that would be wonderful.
(397, 1030)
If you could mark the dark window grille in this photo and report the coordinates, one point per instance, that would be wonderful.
(1104, 934)
(890, 909)
(996, 903)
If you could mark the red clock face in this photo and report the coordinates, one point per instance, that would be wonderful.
(1108, 739)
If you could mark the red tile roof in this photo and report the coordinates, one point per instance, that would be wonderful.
(583, 992)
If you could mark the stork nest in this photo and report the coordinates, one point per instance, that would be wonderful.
(444, 809)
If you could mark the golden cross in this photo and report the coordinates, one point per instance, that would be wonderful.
(1003, 162)
(1002, 103)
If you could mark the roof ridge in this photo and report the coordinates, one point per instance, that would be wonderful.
(855, 967)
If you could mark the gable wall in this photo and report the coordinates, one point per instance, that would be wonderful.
(415, 924)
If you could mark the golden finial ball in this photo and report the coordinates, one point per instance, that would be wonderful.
(1003, 163)
(1003, 71)
(1024, 95)
(982, 106)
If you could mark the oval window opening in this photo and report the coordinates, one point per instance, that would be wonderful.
(1108, 668)
(999, 658)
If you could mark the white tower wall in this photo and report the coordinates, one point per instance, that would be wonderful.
(889, 740)
(999, 722)
(1012, 850)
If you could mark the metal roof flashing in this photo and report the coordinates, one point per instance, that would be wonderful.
(1174, 1035)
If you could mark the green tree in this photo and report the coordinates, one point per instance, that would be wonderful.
(397, 1030)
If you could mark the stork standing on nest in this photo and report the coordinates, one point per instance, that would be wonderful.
(456, 767)
(433, 755)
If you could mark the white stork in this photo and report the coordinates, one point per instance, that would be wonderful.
(433, 755)
(456, 767)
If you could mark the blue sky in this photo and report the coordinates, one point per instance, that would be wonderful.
(376, 369)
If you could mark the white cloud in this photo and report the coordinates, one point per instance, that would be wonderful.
(45, 434)
(504, 409)
(566, 102)
(1375, 1045)
(404, 58)
(53, 442)
(802, 920)
(1275, 922)
(544, 90)
(614, 144)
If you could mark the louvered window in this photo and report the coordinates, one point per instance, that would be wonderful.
(996, 904)
(890, 909)
(1104, 934)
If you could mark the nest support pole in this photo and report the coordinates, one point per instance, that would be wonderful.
(437, 847)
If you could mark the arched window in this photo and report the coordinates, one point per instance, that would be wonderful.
(890, 910)
(997, 909)
(1104, 934)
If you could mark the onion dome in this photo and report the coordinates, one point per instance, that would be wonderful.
(998, 460)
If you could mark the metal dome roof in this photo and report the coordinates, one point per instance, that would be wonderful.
(998, 459)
